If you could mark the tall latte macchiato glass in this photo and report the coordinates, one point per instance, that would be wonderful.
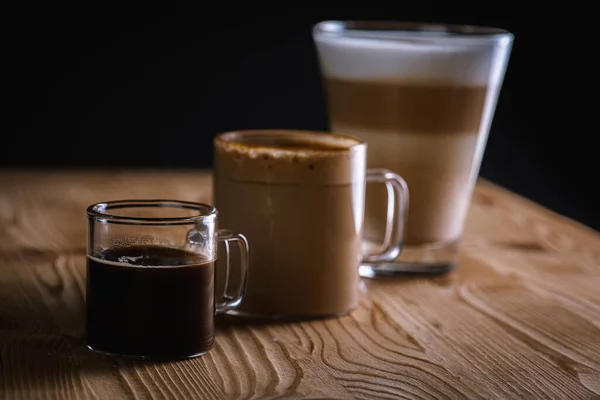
(299, 199)
(423, 97)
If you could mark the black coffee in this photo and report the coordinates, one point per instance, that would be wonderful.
(150, 301)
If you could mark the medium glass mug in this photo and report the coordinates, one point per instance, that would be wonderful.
(423, 97)
(151, 278)
(299, 198)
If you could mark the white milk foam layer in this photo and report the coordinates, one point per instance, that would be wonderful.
(399, 57)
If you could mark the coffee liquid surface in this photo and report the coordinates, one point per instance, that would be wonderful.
(293, 143)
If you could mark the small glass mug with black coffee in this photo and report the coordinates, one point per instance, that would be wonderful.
(151, 278)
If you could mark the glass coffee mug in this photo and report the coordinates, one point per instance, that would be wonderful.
(150, 278)
(299, 198)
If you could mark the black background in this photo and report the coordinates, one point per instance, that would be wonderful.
(102, 87)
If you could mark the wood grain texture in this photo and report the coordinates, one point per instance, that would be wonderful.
(519, 318)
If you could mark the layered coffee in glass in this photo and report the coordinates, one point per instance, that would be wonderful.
(423, 98)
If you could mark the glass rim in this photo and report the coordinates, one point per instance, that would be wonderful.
(99, 211)
(404, 30)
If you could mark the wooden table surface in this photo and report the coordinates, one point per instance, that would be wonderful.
(519, 318)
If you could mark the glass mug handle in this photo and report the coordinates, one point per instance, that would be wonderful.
(228, 300)
(397, 209)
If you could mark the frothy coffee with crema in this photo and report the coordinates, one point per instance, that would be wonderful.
(299, 199)
(424, 111)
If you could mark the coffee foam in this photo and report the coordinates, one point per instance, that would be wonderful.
(401, 56)
(289, 146)
(290, 157)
